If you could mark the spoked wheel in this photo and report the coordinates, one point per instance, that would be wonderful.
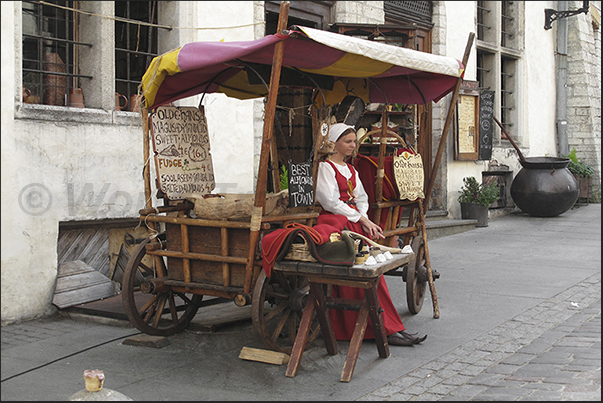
(276, 310)
(152, 307)
(416, 276)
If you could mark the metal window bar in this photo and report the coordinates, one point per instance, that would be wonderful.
(506, 21)
(481, 11)
(506, 91)
(135, 44)
(49, 41)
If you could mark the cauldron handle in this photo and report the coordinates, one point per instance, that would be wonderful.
(508, 137)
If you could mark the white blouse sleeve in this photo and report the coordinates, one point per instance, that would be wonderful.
(362, 201)
(327, 193)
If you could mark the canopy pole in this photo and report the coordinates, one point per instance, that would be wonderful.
(260, 190)
(451, 109)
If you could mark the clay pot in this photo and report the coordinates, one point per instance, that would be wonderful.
(55, 86)
(26, 94)
(135, 102)
(75, 99)
(118, 98)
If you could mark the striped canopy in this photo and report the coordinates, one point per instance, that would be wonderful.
(336, 64)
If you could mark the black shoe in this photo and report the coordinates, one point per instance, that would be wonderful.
(397, 339)
(408, 336)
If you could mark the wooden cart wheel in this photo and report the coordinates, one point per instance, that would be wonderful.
(276, 310)
(152, 308)
(416, 276)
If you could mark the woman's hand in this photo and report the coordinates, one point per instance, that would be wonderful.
(372, 230)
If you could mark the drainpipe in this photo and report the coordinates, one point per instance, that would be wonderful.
(562, 81)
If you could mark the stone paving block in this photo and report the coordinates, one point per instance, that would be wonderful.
(466, 392)
(442, 389)
(541, 395)
(518, 359)
(473, 370)
(543, 386)
(403, 382)
(428, 397)
(553, 357)
(494, 393)
(503, 369)
(457, 380)
(402, 397)
(416, 389)
(486, 379)
(538, 370)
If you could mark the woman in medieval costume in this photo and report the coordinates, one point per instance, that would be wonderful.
(340, 191)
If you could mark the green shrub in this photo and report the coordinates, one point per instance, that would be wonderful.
(474, 192)
(577, 167)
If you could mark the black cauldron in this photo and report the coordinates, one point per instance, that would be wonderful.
(544, 187)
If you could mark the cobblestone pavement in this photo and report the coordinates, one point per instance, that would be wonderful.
(550, 352)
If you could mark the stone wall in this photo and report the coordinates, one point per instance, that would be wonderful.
(584, 91)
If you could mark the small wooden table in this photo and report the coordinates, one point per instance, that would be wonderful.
(359, 276)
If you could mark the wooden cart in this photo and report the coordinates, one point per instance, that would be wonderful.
(186, 258)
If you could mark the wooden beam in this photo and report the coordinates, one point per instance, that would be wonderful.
(260, 190)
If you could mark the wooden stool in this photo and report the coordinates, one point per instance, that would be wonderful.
(359, 276)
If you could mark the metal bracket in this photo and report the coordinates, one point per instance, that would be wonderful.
(551, 15)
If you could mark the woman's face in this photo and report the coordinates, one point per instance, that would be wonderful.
(346, 144)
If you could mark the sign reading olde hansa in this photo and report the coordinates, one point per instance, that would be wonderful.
(408, 171)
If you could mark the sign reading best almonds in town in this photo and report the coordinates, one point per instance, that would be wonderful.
(408, 171)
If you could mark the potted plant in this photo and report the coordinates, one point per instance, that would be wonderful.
(475, 198)
(583, 173)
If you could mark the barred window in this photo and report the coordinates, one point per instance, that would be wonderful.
(50, 48)
(135, 43)
(498, 52)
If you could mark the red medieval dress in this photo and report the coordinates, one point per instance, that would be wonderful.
(340, 191)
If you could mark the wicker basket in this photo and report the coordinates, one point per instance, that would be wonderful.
(300, 251)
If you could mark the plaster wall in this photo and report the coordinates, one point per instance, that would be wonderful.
(69, 164)
(54, 169)
(460, 22)
(536, 98)
(231, 127)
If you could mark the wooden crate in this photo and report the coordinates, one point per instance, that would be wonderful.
(208, 240)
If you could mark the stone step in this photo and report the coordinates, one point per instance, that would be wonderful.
(441, 228)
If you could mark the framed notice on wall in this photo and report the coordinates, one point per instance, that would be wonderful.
(466, 144)
(182, 151)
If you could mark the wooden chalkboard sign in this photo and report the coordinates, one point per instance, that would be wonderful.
(486, 125)
(182, 151)
(301, 184)
(466, 145)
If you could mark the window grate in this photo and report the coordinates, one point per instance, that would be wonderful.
(50, 46)
(405, 11)
(135, 44)
(507, 23)
(482, 10)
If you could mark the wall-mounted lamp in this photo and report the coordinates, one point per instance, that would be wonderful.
(551, 15)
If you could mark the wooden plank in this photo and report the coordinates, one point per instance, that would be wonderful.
(146, 340)
(78, 283)
(267, 356)
(80, 280)
(72, 268)
(83, 295)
